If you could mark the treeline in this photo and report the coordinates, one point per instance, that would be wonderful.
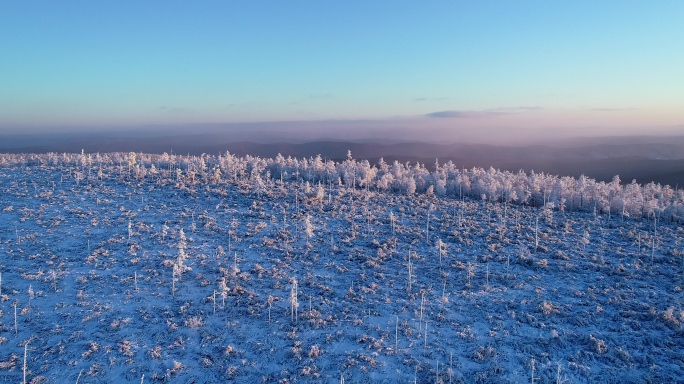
(564, 193)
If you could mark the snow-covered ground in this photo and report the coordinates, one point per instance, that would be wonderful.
(110, 278)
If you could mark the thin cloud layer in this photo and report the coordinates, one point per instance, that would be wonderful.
(452, 114)
(611, 109)
(492, 112)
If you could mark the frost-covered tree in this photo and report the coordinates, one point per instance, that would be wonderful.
(308, 229)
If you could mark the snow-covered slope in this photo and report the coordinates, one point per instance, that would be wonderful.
(191, 275)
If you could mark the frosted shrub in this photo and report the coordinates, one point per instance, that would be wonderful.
(175, 369)
(126, 348)
(194, 322)
(9, 364)
(673, 318)
(155, 352)
(315, 351)
(547, 308)
(599, 345)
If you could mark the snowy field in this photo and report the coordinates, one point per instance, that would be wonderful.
(173, 269)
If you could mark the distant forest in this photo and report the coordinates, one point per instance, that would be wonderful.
(320, 178)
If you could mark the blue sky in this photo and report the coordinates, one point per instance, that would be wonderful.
(518, 65)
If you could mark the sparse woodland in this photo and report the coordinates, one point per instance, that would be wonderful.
(129, 267)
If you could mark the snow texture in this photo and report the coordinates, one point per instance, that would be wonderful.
(135, 268)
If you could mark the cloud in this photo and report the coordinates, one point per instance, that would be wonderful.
(446, 114)
(484, 113)
(513, 110)
(611, 109)
(535, 108)
(465, 114)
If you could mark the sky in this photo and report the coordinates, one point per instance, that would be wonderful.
(524, 68)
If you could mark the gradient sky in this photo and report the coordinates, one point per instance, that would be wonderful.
(523, 66)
